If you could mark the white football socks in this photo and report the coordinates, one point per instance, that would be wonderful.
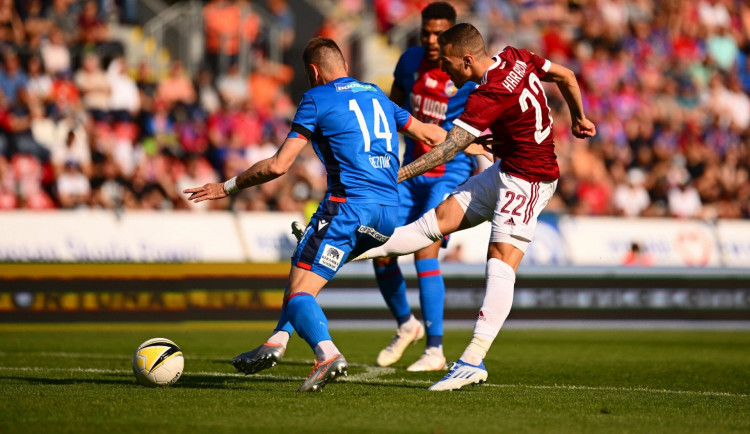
(279, 337)
(408, 239)
(325, 350)
(498, 299)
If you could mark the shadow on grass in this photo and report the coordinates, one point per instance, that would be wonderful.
(187, 382)
(226, 362)
(67, 381)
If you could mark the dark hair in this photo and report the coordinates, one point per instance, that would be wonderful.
(464, 37)
(321, 51)
(439, 11)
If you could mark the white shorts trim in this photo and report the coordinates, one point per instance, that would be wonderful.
(511, 204)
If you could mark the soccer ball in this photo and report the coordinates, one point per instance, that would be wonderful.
(158, 362)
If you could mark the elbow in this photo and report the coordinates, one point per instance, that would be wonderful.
(278, 165)
(568, 76)
(277, 169)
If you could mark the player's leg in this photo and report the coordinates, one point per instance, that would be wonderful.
(393, 288)
(392, 285)
(431, 284)
(466, 207)
(431, 300)
(327, 240)
(308, 319)
(503, 259)
(317, 258)
(447, 218)
(269, 353)
(512, 229)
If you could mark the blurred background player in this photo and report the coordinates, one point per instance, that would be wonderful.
(511, 102)
(420, 86)
(352, 127)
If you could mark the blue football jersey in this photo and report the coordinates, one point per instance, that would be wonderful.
(432, 97)
(353, 127)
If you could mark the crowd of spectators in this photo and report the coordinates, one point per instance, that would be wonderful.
(666, 82)
(80, 128)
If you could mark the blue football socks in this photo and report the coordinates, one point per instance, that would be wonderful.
(431, 298)
(308, 319)
(284, 324)
(393, 287)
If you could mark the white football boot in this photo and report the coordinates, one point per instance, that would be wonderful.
(432, 360)
(298, 230)
(461, 374)
(409, 333)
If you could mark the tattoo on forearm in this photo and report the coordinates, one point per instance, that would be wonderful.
(257, 174)
(458, 139)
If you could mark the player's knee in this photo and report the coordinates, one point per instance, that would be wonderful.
(429, 252)
(384, 262)
(508, 249)
(449, 215)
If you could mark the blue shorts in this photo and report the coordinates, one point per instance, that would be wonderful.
(339, 229)
(422, 193)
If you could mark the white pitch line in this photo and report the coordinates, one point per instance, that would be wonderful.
(372, 374)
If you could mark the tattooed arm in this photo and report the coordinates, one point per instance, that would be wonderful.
(458, 139)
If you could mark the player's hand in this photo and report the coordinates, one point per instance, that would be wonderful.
(210, 191)
(486, 140)
(479, 149)
(583, 129)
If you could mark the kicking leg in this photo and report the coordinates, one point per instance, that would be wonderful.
(447, 218)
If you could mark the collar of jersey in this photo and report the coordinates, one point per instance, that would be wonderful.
(493, 66)
(342, 79)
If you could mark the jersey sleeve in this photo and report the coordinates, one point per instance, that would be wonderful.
(305, 120)
(482, 109)
(540, 63)
(403, 117)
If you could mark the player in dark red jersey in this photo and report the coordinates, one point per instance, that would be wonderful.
(429, 94)
(510, 101)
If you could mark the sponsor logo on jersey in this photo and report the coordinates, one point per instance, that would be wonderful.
(431, 83)
(380, 161)
(510, 222)
(450, 89)
(322, 223)
(481, 316)
(373, 233)
(354, 87)
(331, 257)
(427, 109)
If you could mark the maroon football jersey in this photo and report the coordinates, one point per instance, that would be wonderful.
(510, 101)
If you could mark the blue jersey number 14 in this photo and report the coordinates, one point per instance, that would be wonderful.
(381, 129)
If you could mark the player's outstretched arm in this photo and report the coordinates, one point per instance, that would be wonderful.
(258, 173)
(429, 134)
(568, 85)
(458, 139)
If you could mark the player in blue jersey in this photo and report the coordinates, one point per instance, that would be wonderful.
(421, 87)
(352, 127)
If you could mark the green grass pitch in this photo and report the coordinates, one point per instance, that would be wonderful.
(78, 378)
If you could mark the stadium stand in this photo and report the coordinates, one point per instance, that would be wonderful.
(667, 83)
